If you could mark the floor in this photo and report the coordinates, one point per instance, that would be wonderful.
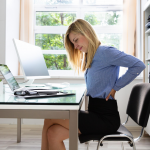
(31, 140)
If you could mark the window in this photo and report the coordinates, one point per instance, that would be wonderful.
(52, 18)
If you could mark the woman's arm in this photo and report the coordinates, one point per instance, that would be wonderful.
(118, 58)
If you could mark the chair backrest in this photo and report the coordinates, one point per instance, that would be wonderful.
(139, 104)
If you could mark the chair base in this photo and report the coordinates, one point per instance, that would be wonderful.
(122, 135)
(98, 146)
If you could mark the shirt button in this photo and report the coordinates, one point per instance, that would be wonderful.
(137, 73)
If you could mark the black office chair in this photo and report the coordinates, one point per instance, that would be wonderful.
(138, 109)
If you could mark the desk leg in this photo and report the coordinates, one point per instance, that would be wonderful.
(73, 130)
(18, 130)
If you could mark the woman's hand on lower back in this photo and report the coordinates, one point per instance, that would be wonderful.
(112, 93)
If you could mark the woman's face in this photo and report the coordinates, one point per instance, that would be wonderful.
(79, 41)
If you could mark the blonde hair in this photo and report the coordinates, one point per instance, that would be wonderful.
(78, 59)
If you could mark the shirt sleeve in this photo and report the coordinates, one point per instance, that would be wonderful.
(118, 58)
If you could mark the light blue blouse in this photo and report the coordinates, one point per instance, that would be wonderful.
(103, 75)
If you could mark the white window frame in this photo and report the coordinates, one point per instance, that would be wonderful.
(80, 9)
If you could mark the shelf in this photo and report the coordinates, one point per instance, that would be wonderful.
(148, 31)
(146, 5)
(147, 59)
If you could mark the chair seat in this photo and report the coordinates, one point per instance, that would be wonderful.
(120, 132)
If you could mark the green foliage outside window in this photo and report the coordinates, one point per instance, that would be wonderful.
(110, 39)
(50, 41)
(56, 62)
(103, 18)
(54, 18)
(56, 41)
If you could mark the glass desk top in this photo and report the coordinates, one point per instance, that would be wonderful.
(8, 98)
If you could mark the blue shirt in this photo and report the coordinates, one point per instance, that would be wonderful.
(103, 75)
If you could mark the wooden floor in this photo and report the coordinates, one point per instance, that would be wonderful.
(31, 140)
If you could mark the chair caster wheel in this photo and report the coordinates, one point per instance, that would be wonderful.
(101, 144)
(131, 145)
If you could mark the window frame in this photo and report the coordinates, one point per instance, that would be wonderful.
(79, 9)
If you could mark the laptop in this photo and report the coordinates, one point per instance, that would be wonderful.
(14, 86)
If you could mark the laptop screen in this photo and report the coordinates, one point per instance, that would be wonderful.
(9, 77)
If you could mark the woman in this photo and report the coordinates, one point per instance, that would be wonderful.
(101, 66)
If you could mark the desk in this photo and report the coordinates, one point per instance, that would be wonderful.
(42, 108)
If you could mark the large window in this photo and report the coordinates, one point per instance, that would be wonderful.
(52, 18)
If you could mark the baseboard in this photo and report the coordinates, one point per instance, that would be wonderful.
(137, 129)
(30, 126)
(130, 128)
(133, 128)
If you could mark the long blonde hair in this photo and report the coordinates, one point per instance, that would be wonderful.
(78, 59)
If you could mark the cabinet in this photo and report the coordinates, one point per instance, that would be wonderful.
(146, 55)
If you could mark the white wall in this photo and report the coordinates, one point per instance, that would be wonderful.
(143, 2)
(9, 29)
(12, 31)
(2, 30)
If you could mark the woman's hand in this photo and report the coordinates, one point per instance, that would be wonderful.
(112, 93)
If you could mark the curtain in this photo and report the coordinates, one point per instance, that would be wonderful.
(129, 26)
(26, 23)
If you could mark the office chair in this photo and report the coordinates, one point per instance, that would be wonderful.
(138, 109)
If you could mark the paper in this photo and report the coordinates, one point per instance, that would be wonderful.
(56, 85)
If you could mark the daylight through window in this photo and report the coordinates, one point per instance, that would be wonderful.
(52, 18)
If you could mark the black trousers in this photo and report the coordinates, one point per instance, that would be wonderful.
(102, 117)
